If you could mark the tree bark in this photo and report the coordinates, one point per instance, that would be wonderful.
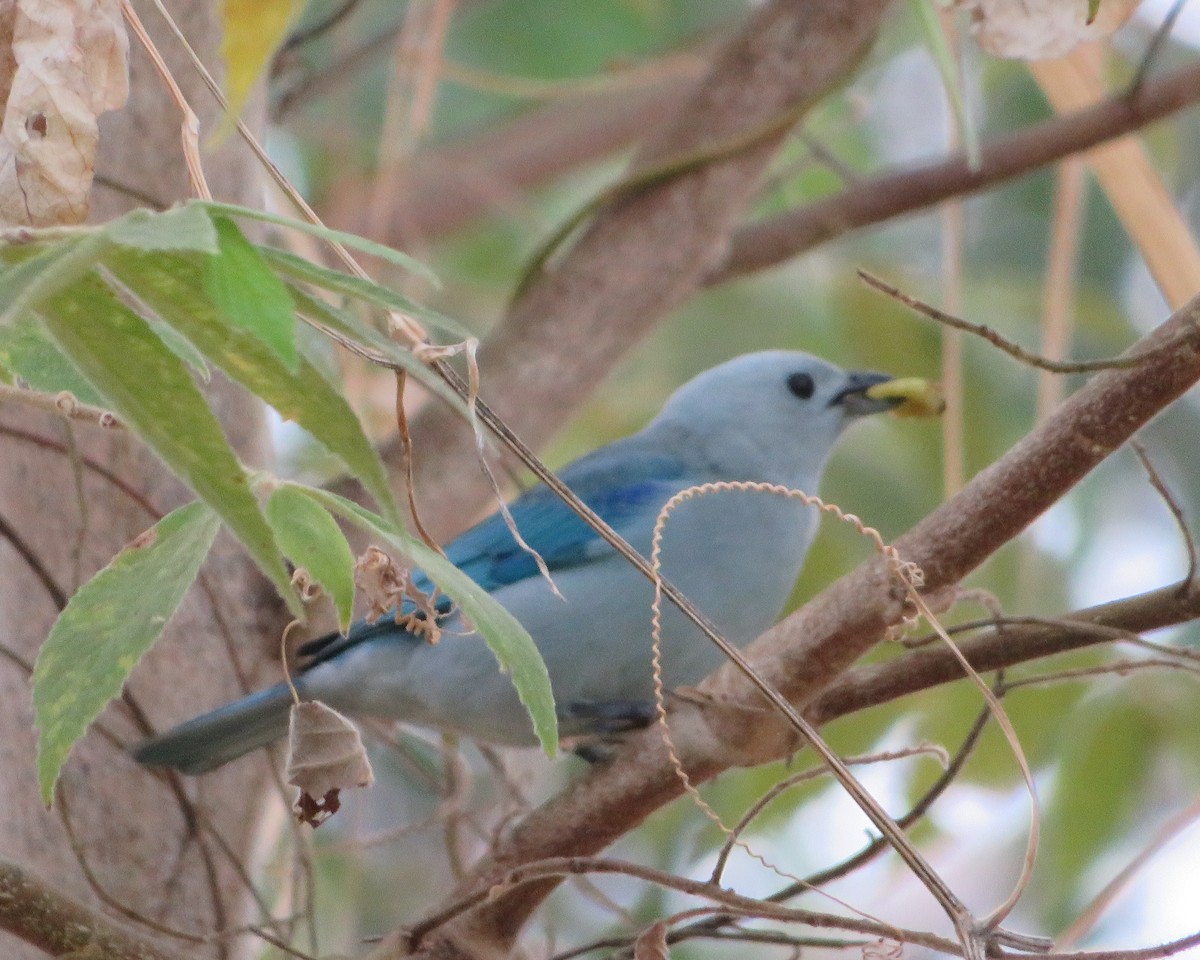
(135, 835)
(646, 252)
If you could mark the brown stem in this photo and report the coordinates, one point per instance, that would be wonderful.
(776, 239)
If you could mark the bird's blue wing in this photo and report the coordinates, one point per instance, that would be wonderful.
(619, 489)
(621, 485)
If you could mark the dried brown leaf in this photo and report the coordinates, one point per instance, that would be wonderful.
(325, 755)
(1042, 29)
(380, 581)
(67, 64)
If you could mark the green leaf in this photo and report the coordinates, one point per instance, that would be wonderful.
(935, 38)
(173, 286)
(108, 625)
(1100, 784)
(351, 240)
(311, 539)
(179, 345)
(180, 228)
(151, 391)
(249, 296)
(1093, 11)
(509, 642)
(347, 326)
(368, 290)
(27, 279)
(27, 350)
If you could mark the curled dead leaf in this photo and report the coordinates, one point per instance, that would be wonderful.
(325, 756)
(381, 581)
(65, 65)
(1042, 29)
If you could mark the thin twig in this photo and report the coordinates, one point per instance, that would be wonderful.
(314, 30)
(747, 907)
(1152, 51)
(872, 849)
(1014, 350)
(190, 128)
(803, 776)
(34, 562)
(63, 403)
(1172, 504)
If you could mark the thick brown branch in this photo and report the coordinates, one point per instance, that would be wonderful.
(874, 684)
(870, 201)
(805, 653)
(450, 186)
(59, 925)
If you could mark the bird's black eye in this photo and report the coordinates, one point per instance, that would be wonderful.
(801, 384)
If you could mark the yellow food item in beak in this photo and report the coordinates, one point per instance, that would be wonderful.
(922, 398)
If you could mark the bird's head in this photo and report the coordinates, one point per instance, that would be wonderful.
(774, 415)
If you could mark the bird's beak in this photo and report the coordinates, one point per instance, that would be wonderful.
(853, 396)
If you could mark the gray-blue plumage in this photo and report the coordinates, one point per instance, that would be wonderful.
(771, 417)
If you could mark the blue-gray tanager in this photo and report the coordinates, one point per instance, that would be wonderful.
(772, 417)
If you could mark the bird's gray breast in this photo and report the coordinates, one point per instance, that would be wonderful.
(736, 555)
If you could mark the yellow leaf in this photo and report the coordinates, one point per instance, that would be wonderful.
(254, 29)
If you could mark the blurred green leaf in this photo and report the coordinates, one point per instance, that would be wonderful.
(31, 274)
(151, 391)
(108, 625)
(348, 327)
(311, 539)
(509, 642)
(27, 350)
(1100, 782)
(351, 240)
(248, 295)
(366, 290)
(173, 286)
(181, 228)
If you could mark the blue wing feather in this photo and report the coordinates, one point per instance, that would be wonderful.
(617, 490)
(620, 485)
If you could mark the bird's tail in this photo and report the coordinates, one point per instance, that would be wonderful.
(226, 733)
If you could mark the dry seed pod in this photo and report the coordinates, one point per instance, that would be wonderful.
(325, 755)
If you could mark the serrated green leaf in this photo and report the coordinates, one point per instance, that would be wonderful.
(180, 228)
(27, 350)
(351, 240)
(367, 290)
(106, 628)
(26, 280)
(173, 286)
(151, 391)
(346, 325)
(311, 539)
(248, 295)
(509, 642)
(935, 39)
